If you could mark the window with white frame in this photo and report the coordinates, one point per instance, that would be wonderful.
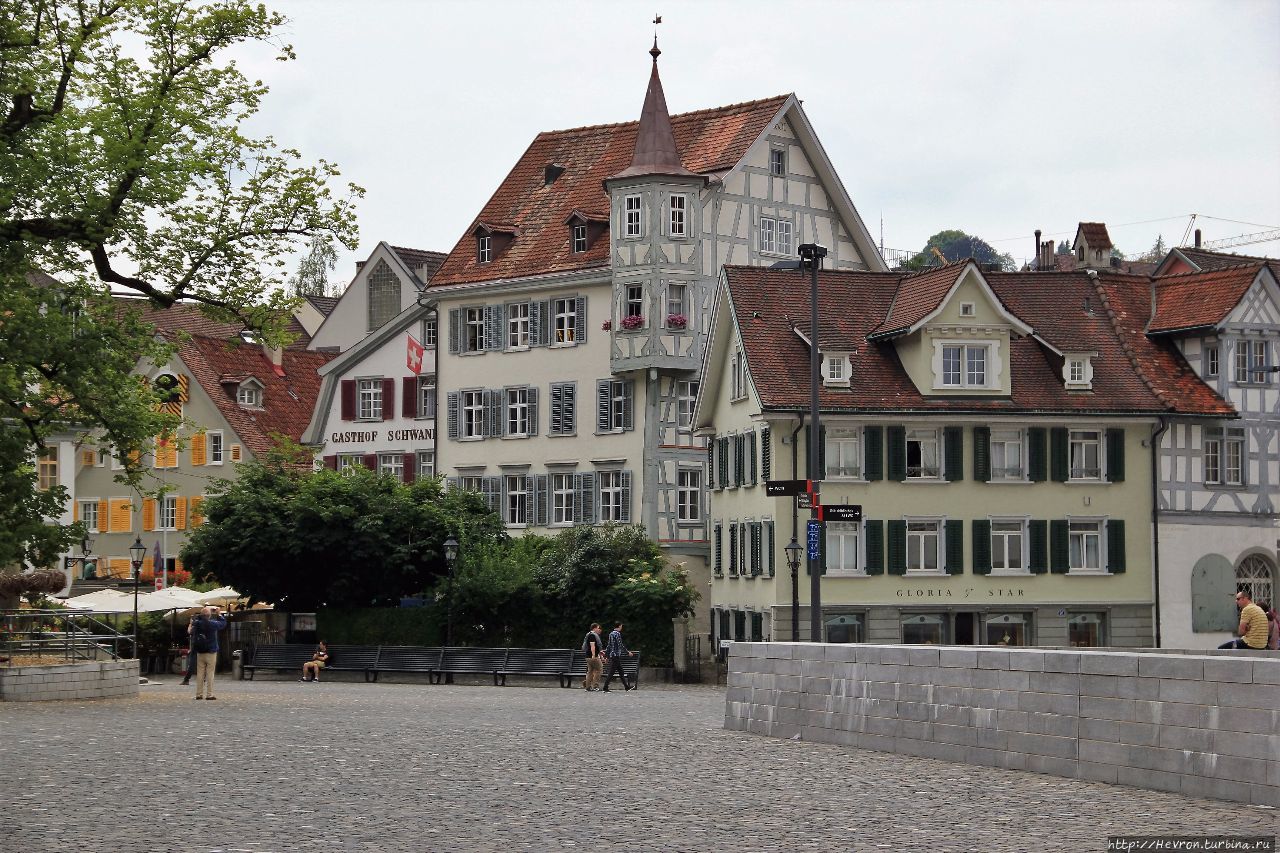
(391, 464)
(426, 397)
(632, 207)
(89, 515)
(215, 446)
(517, 411)
(168, 513)
(676, 208)
(676, 294)
(689, 494)
(923, 453)
(1075, 371)
(1007, 455)
(473, 320)
(369, 393)
(835, 369)
(562, 499)
(517, 503)
(1211, 365)
(565, 319)
(426, 463)
(738, 376)
(579, 239)
(1224, 457)
(924, 539)
(768, 234)
(964, 365)
(686, 396)
(1251, 362)
(610, 495)
(484, 248)
(634, 304)
(617, 406)
(249, 395)
(1086, 454)
(784, 237)
(777, 161)
(1006, 547)
(348, 463)
(842, 549)
(1085, 538)
(471, 483)
(430, 329)
(472, 414)
(518, 326)
(844, 457)
(1256, 576)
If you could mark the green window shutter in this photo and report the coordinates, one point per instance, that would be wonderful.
(955, 546)
(1115, 546)
(1038, 542)
(733, 549)
(873, 464)
(873, 531)
(769, 544)
(897, 547)
(766, 454)
(981, 455)
(739, 459)
(718, 564)
(711, 464)
(723, 454)
(1059, 463)
(1059, 546)
(1037, 467)
(757, 534)
(981, 546)
(953, 452)
(897, 442)
(1115, 455)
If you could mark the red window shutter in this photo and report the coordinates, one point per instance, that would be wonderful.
(331, 462)
(371, 461)
(388, 399)
(410, 401)
(410, 467)
(348, 399)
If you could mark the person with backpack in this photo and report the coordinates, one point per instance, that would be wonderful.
(204, 639)
(593, 650)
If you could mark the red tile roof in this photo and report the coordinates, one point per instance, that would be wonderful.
(420, 261)
(919, 295)
(287, 397)
(1199, 299)
(190, 318)
(1207, 259)
(1133, 373)
(709, 141)
(1095, 234)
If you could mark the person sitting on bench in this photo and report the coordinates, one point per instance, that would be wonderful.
(311, 669)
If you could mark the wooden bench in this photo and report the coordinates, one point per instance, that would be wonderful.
(291, 656)
(553, 663)
(630, 667)
(469, 661)
(420, 659)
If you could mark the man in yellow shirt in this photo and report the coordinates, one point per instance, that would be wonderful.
(1253, 630)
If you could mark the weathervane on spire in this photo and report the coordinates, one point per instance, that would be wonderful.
(654, 52)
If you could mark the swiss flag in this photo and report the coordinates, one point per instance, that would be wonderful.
(414, 357)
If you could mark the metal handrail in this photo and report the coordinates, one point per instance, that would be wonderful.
(77, 634)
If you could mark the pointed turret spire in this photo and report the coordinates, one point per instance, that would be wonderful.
(656, 152)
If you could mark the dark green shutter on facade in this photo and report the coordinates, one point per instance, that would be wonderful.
(953, 452)
(897, 450)
(981, 455)
(874, 533)
(1059, 546)
(981, 546)
(897, 530)
(1038, 545)
(766, 454)
(1037, 462)
(718, 562)
(1059, 455)
(1115, 455)
(873, 467)
(1115, 546)
(955, 546)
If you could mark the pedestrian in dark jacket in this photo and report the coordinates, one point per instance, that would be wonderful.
(204, 638)
(614, 651)
(593, 649)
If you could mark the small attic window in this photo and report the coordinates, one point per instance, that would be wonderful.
(248, 336)
(484, 248)
(550, 172)
(579, 238)
(968, 309)
(1077, 371)
(249, 394)
(835, 369)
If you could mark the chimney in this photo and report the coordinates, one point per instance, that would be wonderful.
(1197, 238)
(276, 356)
(1039, 250)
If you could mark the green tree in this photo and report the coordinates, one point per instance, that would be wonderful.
(312, 278)
(305, 540)
(125, 167)
(956, 245)
(1157, 251)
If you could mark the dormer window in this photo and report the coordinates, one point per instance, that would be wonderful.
(835, 369)
(579, 238)
(492, 239)
(585, 228)
(484, 248)
(964, 365)
(249, 394)
(1077, 371)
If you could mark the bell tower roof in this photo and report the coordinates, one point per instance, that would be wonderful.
(656, 152)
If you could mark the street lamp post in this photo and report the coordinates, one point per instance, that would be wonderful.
(793, 550)
(136, 552)
(811, 255)
(450, 559)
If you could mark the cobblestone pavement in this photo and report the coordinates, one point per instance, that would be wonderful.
(345, 766)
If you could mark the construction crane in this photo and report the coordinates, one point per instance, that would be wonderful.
(1228, 242)
(942, 259)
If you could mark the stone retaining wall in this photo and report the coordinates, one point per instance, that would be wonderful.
(1202, 725)
(92, 680)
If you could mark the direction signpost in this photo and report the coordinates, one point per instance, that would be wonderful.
(841, 512)
(785, 488)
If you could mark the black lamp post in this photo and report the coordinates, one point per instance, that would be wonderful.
(450, 559)
(793, 550)
(136, 552)
(811, 255)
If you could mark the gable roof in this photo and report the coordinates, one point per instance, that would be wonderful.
(1094, 233)
(191, 319)
(421, 262)
(709, 141)
(1199, 300)
(287, 396)
(1135, 375)
(323, 304)
(921, 295)
(1201, 260)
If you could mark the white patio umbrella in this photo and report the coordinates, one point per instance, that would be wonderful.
(219, 595)
(102, 601)
(155, 602)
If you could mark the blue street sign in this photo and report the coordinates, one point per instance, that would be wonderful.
(815, 539)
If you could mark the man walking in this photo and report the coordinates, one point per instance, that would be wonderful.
(593, 648)
(614, 652)
(1253, 629)
(204, 639)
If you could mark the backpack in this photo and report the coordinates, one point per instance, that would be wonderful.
(200, 642)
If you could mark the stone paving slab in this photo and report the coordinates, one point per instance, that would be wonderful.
(283, 766)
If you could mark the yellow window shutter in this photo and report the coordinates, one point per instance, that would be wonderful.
(135, 457)
(104, 516)
(196, 518)
(235, 453)
(87, 458)
(199, 448)
(148, 514)
(75, 510)
(180, 513)
(177, 564)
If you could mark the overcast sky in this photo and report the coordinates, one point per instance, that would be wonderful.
(996, 118)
